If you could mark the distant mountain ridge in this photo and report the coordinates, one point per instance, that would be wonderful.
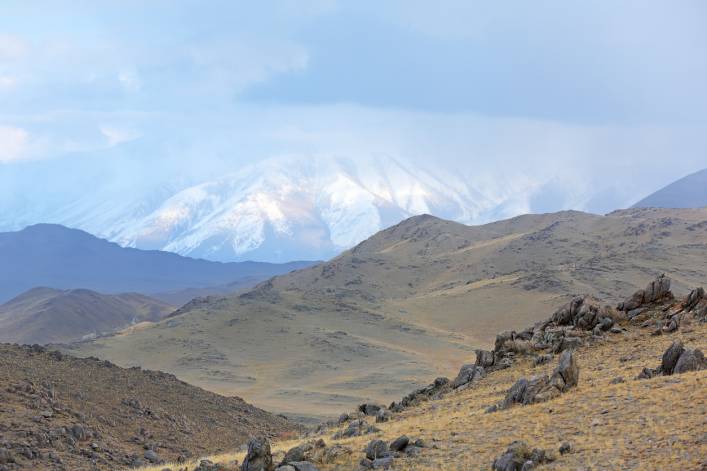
(281, 209)
(687, 192)
(46, 315)
(58, 257)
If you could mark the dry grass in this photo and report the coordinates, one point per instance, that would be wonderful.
(657, 424)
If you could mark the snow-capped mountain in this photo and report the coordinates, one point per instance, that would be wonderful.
(287, 208)
(297, 208)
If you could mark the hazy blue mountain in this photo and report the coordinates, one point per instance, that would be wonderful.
(58, 257)
(688, 192)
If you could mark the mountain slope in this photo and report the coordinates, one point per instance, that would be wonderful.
(410, 303)
(46, 315)
(612, 418)
(58, 257)
(61, 413)
(688, 192)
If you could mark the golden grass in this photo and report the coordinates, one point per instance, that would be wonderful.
(656, 424)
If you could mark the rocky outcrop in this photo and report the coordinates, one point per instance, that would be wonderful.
(436, 390)
(542, 388)
(355, 428)
(519, 457)
(467, 375)
(676, 359)
(259, 456)
(657, 290)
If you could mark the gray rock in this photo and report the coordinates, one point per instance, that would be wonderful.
(542, 359)
(468, 374)
(298, 453)
(376, 449)
(383, 415)
(568, 370)
(484, 358)
(369, 409)
(671, 357)
(259, 456)
(286, 467)
(152, 457)
(383, 463)
(690, 360)
(565, 448)
(400, 443)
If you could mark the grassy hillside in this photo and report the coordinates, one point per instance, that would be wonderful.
(409, 304)
(611, 419)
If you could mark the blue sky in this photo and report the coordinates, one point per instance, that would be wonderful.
(606, 94)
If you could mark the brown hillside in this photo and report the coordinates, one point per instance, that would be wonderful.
(410, 303)
(46, 315)
(63, 413)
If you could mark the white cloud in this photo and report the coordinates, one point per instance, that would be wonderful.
(14, 143)
(116, 135)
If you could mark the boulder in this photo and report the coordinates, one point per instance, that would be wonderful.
(376, 449)
(369, 409)
(690, 360)
(298, 453)
(468, 374)
(383, 415)
(484, 358)
(519, 457)
(568, 370)
(400, 443)
(152, 457)
(671, 357)
(259, 456)
(657, 290)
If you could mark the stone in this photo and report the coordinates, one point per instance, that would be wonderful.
(383, 415)
(568, 370)
(542, 359)
(298, 453)
(369, 409)
(617, 380)
(484, 358)
(468, 374)
(565, 448)
(259, 456)
(690, 360)
(383, 463)
(400, 443)
(693, 299)
(376, 449)
(152, 457)
(568, 343)
(671, 357)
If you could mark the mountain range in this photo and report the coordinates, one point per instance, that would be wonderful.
(408, 304)
(287, 208)
(57, 257)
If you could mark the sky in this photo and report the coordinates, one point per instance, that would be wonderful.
(598, 102)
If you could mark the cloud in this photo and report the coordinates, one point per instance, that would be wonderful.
(14, 143)
(117, 135)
